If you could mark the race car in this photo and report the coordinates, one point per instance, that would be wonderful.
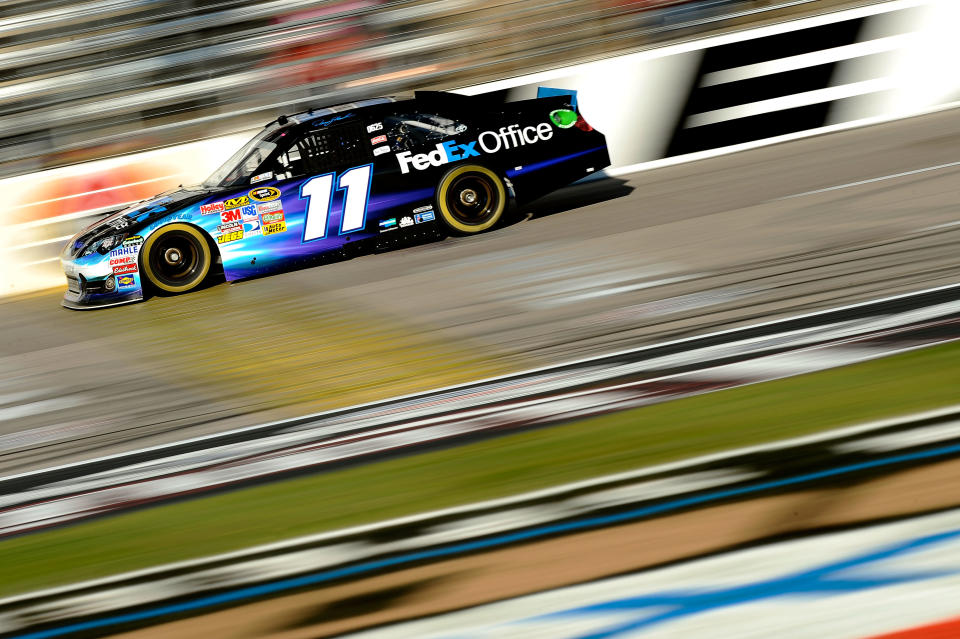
(333, 182)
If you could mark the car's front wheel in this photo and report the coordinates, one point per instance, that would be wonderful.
(471, 199)
(177, 258)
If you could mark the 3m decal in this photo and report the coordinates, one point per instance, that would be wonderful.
(276, 227)
(380, 139)
(231, 216)
(264, 194)
(319, 194)
(213, 207)
(230, 237)
(505, 138)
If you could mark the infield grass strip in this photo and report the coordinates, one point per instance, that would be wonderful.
(902, 384)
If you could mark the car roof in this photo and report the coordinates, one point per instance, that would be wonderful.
(338, 109)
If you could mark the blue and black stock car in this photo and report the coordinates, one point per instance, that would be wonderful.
(337, 181)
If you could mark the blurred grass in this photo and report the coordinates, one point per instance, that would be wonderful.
(902, 384)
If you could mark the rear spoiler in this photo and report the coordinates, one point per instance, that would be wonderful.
(492, 99)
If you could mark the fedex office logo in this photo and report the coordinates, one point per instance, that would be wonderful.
(489, 141)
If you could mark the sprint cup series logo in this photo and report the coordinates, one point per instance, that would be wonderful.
(489, 141)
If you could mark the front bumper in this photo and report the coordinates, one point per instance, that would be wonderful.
(91, 283)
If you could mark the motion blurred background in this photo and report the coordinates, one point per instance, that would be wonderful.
(92, 80)
(87, 80)
(106, 102)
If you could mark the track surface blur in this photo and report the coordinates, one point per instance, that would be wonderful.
(595, 268)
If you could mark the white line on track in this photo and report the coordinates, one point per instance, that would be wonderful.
(872, 180)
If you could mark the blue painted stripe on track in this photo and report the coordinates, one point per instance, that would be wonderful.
(250, 592)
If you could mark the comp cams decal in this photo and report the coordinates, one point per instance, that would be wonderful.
(490, 142)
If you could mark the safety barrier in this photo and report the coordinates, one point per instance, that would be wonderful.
(148, 596)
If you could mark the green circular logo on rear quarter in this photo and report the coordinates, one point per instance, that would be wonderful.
(563, 118)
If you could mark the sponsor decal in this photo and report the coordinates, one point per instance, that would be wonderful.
(120, 222)
(123, 250)
(126, 281)
(421, 209)
(563, 118)
(230, 228)
(380, 139)
(251, 227)
(276, 227)
(264, 194)
(333, 120)
(249, 213)
(406, 221)
(380, 150)
(388, 225)
(119, 261)
(376, 126)
(213, 207)
(232, 236)
(419, 218)
(272, 218)
(133, 240)
(269, 207)
(236, 203)
(122, 269)
(505, 138)
(232, 216)
(263, 177)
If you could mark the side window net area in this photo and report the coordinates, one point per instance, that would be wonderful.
(412, 130)
(325, 151)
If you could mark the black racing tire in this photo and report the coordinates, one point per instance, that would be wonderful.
(176, 259)
(471, 199)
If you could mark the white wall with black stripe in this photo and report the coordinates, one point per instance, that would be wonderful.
(882, 61)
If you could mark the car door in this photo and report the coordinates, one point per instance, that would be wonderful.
(312, 198)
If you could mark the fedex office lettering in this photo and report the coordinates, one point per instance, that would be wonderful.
(489, 141)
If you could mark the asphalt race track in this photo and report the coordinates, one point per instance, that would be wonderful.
(595, 268)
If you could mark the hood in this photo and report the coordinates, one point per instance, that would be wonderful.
(129, 220)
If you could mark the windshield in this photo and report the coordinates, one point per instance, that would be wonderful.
(243, 164)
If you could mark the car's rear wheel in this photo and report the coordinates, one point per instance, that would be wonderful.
(471, 199)
(177, 258)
